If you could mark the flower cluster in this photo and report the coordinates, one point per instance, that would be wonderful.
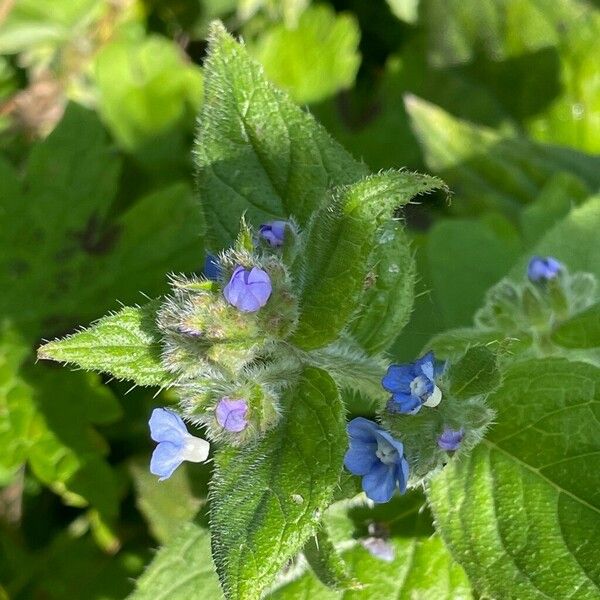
(195, 322)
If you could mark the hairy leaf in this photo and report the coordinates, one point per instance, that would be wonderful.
(125, 345)
(387, 298)
(267, 499)
(340, 238)
(522, 512)
(475, 373)
(327, 564)
(258, 153)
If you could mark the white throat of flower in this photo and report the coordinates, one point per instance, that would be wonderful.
(418, 387)
(386, 453)
(434, 398)
(195, 449)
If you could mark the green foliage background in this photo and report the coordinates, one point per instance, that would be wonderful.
(98, 99)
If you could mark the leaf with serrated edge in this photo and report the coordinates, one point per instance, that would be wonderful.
(522, 512)
(256, 151)
(125, 345)
(267, 499)
(340, 238)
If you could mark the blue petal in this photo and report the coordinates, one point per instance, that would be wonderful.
(360, 457)
(247, 302)
(166, 426)
(402, 475)
(398, 378)
(165, 459)
(380, 482)
(363, 430)
(425, 365)
(404, 404)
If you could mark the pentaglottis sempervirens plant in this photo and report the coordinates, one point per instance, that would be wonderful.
(311, 282)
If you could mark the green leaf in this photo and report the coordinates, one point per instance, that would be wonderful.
(520, 512)
(181, 570)
(460, 30)
(168, 504)
(489, 170)
(387, 298)
(64, 253)
(466, 257)
(267, 499)
(46, 418)
(580, 331)
(574, 240)
(258, 153)
(125, 345)
(475, 373)
(552, 204)
(327, 564)
(339, 240)
(405, 10)
(421, 566)
(156, 87)
(313, 59)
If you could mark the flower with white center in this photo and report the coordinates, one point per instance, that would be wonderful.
(175, 443)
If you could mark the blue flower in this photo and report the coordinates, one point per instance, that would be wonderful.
(212, 269)
(378, 458)
(542, 269)
(231, 414)
(248, 290)
(450, 439)
(413, 385)
(175, 443)
(273, 232)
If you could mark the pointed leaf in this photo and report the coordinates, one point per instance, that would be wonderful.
(522, 511)
(125, 345)
(339, 240)
(267, 499)
(257, 152)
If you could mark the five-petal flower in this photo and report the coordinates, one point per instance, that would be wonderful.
(273, 232)
(378, 458)
(541, 269)
(413, 385)
(175, 443)
(248, 290)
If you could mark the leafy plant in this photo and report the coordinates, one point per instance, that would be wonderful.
(390, 377)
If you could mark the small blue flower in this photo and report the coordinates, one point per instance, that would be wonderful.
(248, 290)
(273, 232)
(212, 269)
(378, 458)
(413, 385)
(231, 414)
(542, 269)
(175, 443)
(450, 439)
